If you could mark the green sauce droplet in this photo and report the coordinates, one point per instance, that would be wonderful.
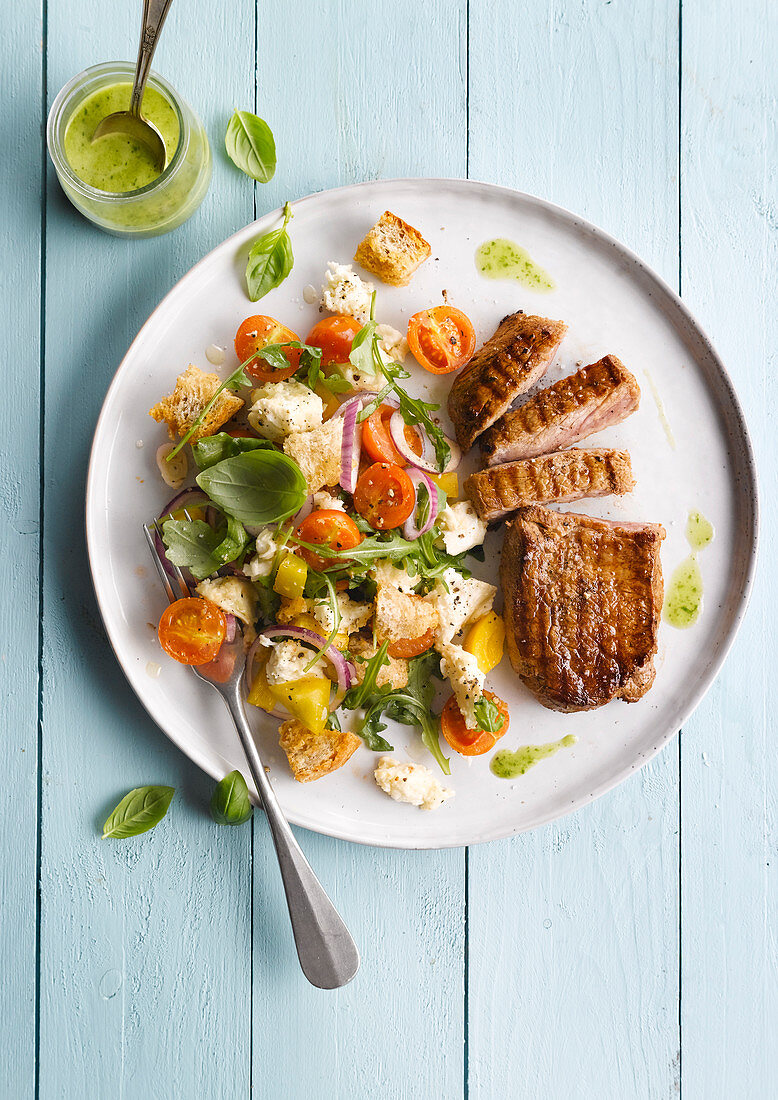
(699, 531)
(509, 765)
(504, 259)
(683, 601)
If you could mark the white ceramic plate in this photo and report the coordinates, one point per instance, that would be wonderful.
(611, 303)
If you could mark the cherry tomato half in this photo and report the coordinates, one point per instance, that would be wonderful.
(406, 648)
(377, 438)
(327, 527)
(469, 742)
(192, 630)
(441, 339)
(256, 333)
(384, 496)
(334, 335)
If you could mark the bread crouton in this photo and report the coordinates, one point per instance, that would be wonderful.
(312, 755)
(317, 453)
(398, 615)
(392, 250)
(394, 672)
(194, 389)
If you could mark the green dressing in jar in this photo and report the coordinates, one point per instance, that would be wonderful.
(510, 765)
(504, 259)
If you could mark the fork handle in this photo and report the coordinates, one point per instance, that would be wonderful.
(328, 955)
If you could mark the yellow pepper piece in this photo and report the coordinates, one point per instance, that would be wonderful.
(449, 483)
(307, 622)
(485, 640)
(307, 699)
(260, 694)
(331, 403)
(290, 577)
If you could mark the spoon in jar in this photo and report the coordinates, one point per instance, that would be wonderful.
(132, 123)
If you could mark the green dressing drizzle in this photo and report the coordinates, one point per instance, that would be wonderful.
(509, 765)
(683, 602)
(503, 259)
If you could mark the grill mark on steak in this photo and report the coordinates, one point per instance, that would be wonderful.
(509, 363)
(594, 398)
(583, 598)
(549, 479)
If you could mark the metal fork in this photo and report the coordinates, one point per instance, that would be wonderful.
(328, 955)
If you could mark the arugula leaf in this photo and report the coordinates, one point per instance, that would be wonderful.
(191, 544)
(487, 715)
(251, 146)
(139, 811)
(421, 557)
(360, 694)
(215, 448)
(270, 260)
(230, 803)
(257, 488)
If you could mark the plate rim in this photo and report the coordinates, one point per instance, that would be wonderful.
(683, 312)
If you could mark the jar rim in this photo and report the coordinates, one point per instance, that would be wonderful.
(79, 83)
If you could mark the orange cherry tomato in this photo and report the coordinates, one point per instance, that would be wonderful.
(466, 741)
(406, 648)
(192, 630)
(384, 496)
(327, 527)
(377, 438)
(334, 335)
(441, 339)
(256, 333)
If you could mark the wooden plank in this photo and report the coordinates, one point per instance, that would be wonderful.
(145, 943)
(573, 929)
(729, 251)
(373, 97)
(20, 238)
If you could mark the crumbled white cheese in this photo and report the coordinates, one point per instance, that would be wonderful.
(288, 661)
(262, 562)
(280, 408)
(344, 292)
(412, 783)
(458, 600)
(359, 381)
(386, 572)
(460, 528)
(392, 342)
(235, 595)
(467, 680)
(326, 500)
(353, 615)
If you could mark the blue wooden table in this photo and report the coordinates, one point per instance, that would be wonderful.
(626, 951)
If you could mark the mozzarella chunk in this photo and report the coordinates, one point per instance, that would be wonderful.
(461, 669)
(266, 550)
(288, 661)
(328, 501)
(389, 575)
(359, 381)
(317, 453)
(460, 528)
(281, 408)
(458, 600)
(235, 595)
(344, 292)
(353, 615)
(392, 342)
(412, 783)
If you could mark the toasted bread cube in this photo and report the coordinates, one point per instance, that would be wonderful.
(392, 250)
(399, 616)
(317, 453)
(312, 755)
(394, 672)
(194, 389)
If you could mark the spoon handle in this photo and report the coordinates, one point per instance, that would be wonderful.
(154, 13)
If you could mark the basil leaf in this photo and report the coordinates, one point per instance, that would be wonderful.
(191, 544)
(250, 145)
(138, 811)
(270, 260)
(215, 448)
(257, 488)
(488, 716)
(230, 803)
(233, 543)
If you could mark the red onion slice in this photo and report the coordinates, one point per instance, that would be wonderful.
(351, 446)
(456, 455)
(424, 461)
(411, 529)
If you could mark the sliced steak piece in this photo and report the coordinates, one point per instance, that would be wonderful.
(582, 603)
(549, 479)
(593, 398)
(519, 353)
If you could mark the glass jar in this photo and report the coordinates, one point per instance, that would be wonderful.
(161, 205)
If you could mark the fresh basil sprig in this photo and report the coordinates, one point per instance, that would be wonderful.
(487, 715)
(251, 146)
(215, 448)
(270, 260)
(257, 488)
(139, 811)
(230, 803)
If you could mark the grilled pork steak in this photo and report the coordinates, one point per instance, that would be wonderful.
(549, 479)
(582, 603)
(593, 398)
(518, 354)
